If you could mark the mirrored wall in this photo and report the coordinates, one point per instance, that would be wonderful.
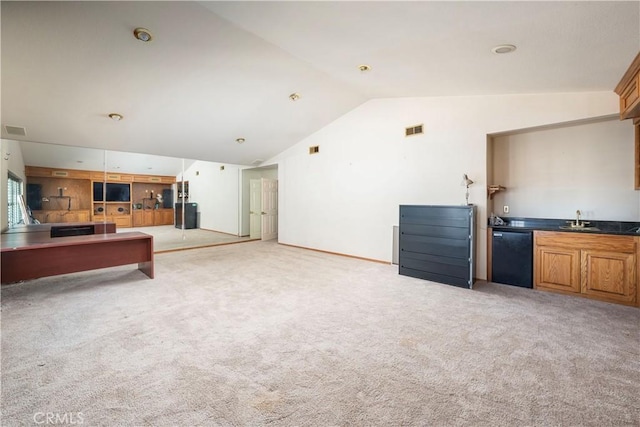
(183, 203)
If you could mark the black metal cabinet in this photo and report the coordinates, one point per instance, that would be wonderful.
(190, 215)
(436, 243)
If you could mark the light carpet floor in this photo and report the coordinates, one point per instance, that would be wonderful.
(170, 238)
(260, 334)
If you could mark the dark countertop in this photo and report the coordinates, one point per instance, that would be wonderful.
(626, 228)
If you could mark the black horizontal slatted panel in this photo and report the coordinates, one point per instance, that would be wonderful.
(435, 243)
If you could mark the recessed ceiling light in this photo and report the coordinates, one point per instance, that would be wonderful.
(294, 96)
(240, 140)
(503, 48)
(116, 117)
(364, 68)
(143, 34)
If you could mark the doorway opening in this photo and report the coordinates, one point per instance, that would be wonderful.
(259, 203)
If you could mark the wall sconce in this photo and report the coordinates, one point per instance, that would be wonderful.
(466, 182)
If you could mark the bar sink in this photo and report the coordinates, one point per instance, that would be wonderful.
(582, 228)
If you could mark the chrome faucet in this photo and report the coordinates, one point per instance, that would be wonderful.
(578, 223)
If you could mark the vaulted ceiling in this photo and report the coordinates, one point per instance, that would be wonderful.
(218, 71)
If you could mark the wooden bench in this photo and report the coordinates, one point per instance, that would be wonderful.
(32, 255)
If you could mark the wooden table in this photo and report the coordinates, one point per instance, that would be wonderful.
(32, 255)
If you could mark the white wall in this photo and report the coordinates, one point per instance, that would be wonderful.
(552, 173)
(217, 194)
(10, 161)
(345, 199)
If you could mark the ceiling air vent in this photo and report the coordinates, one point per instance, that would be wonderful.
(15, 130)
(314, 149)
(414, 130)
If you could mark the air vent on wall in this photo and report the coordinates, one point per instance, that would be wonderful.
(314, 149)
(414, 130)
(15, 130)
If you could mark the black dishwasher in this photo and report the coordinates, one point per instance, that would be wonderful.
(512, 258)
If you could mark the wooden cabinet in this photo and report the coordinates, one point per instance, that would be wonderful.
(78, 196)
(596, 266)
(117, 177)
(557, 268)
(121, 221)
(637, 157)
(154, 179)
(163, 217)
(608, 275)
(148, 217)
(56, 173)
(143, 218)
(629, 91)
(51, 216)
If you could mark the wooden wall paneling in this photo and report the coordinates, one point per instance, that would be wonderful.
(79, 190)
(143, 190)
(56, 173)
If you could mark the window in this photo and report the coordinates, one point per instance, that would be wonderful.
(14, 192)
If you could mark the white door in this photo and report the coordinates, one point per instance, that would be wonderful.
(269, 209)
(255, 209)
